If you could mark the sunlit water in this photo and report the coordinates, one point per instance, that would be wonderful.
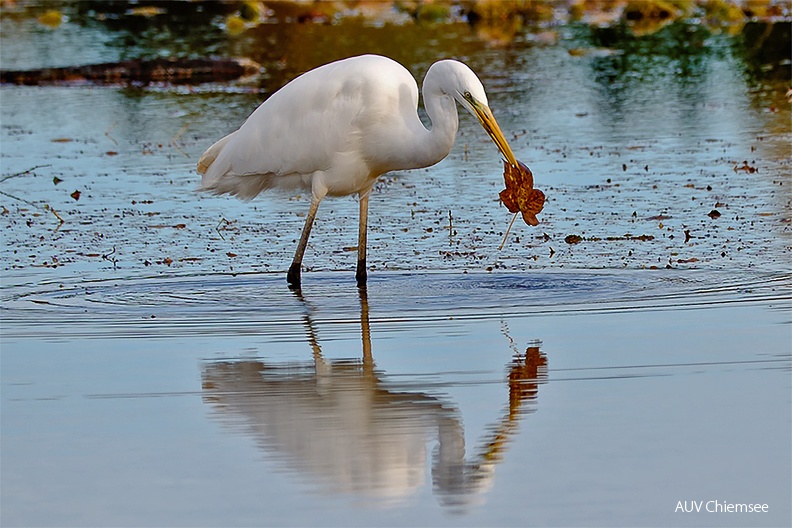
(156, 371)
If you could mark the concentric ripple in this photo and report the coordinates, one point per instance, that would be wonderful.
(220, 303)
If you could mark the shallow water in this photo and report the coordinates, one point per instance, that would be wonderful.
(442, 399)
(647, 139)
(156, 371)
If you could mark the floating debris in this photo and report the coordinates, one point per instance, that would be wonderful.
(745, 167)
(174, 70)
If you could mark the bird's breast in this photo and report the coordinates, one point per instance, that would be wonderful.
(351, 176)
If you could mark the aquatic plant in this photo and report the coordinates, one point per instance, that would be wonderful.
(648, 16)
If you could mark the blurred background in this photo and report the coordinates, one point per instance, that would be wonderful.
(290, 37)
(638, 117)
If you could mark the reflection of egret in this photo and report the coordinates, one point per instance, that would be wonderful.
(351, 432)
(337, 128)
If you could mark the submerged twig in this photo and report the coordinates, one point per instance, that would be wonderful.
(179, 133)
(450, 228)
(222, 222)
(110, 257)
(53, 211)
(45, 207)
(23, 173)
(19, 199)
(107, 133)
(176, 138)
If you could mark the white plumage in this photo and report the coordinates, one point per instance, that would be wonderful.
(337, 128)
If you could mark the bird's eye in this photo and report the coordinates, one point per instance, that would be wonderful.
(467, 95)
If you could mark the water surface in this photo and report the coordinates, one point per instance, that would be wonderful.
(156, 371)
(434, 399)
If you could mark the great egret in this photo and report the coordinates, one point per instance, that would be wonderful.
(337, 128)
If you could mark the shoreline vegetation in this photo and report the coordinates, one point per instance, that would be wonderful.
(236, 17)
(496, 23)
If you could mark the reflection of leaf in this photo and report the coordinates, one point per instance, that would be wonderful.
(519, 194)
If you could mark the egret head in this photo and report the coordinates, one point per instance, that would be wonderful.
(464, 86)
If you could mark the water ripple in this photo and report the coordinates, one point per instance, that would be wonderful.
(220, 303)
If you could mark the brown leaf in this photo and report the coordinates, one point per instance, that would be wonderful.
(532, 205)
(519, 194)
(75, 195)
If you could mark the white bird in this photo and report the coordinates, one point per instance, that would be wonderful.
(337, 128)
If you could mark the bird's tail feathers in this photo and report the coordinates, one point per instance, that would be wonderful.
(243, 187)
(218, 177)
(211, 154)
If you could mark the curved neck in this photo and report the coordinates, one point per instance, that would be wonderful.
(432, 145)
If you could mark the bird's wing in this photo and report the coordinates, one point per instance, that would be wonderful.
(315, 123)
(298, 131)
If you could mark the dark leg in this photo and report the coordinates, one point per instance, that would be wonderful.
(365, 332)
(293, 276)
(360, 275)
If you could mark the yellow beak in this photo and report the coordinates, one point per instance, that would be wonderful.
(487, 120)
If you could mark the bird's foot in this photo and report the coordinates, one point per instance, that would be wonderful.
(360, 275)
(293, 276)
